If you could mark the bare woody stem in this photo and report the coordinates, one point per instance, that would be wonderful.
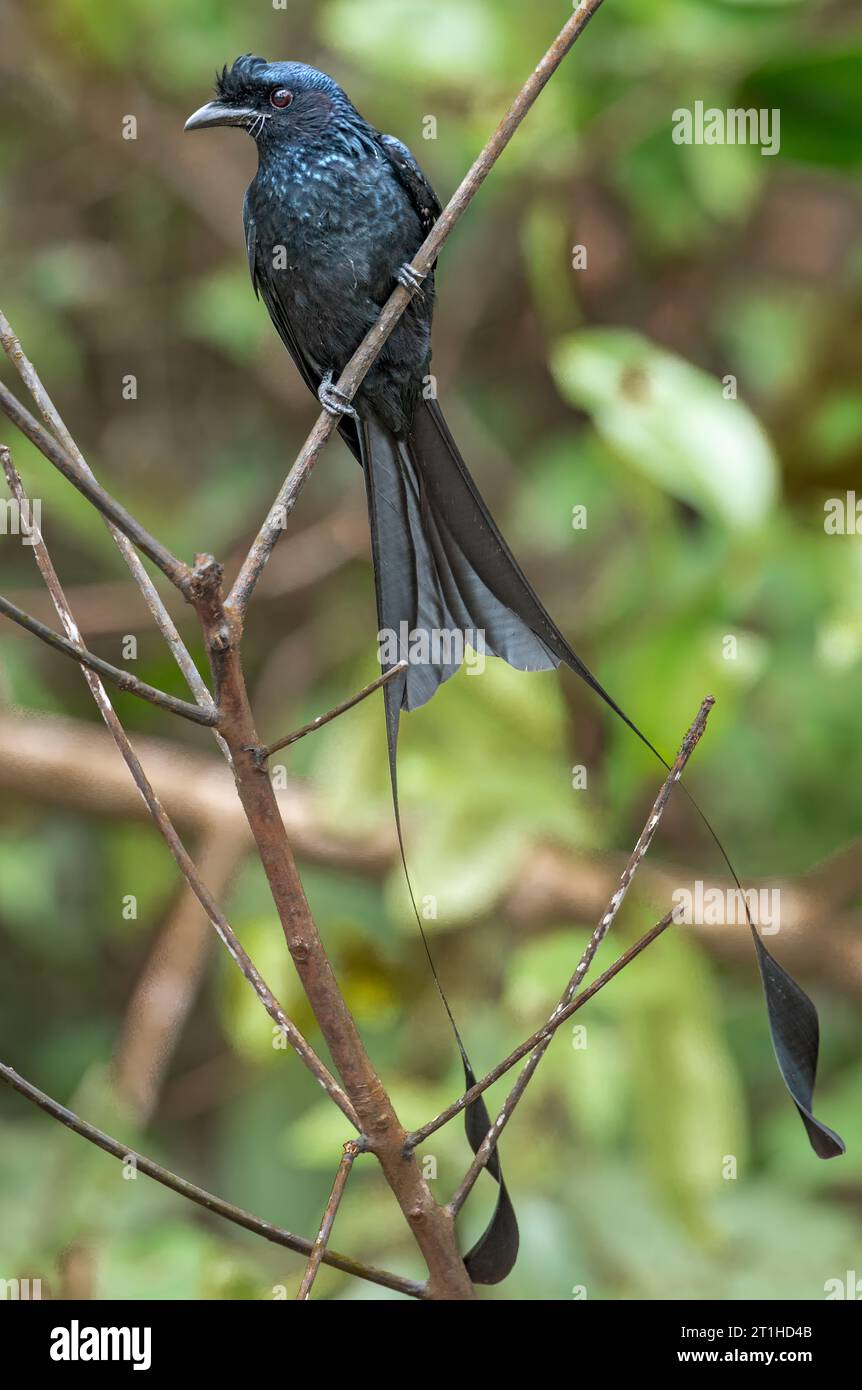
(276, 1234)
(351, 1149)
(123, 680)
(432, 1226)
(373, 342)
(486, 1148)
(314, 724)
(165, 825)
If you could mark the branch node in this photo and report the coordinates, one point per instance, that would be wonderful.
(207, 572)
(205, 582)
(258, 755)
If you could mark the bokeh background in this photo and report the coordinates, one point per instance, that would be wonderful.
(597, 387)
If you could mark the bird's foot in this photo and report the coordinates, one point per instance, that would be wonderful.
(333, 400)
(411, 280)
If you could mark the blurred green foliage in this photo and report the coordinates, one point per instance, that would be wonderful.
(598, 387)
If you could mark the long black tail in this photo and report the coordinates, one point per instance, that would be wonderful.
(409, 591)
(441, 564)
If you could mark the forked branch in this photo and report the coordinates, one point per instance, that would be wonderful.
(123, 680)
(183, 860)
(636, 858)
(543, 1034)
(51, 415)
(276, 1234)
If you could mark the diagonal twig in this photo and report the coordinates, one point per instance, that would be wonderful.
(374, 340)
(199, 1195)
(123, 680)
(351, 1149)
(166, 827)
(489, 1143)
(314, 724)
(174, 569)
(50, 414)
(637, 855)
(545, 1033)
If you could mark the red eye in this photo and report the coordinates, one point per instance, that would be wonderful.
(281, 97)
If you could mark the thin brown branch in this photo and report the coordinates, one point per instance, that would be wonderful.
(489, 1143)
(174, 569)
(432, 1226)
(69, 764)
(237, 1215)
(373, 342)
(123, 680)
(50, 414)
(351, 1149)
(636, 858)
(327, 718)
(168, 832)
(545, 1033)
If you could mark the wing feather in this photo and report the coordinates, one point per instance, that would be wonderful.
(266, 287)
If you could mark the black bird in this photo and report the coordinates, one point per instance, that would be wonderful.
(332, 218)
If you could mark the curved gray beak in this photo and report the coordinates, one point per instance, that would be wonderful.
(220, 113)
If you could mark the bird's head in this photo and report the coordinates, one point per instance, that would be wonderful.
(280, 102)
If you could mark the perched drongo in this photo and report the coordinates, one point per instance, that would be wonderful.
(333, 216)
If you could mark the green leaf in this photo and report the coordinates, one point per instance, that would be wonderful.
(686, 1094)
(670, 422)
(447, 41)
(819, 96)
